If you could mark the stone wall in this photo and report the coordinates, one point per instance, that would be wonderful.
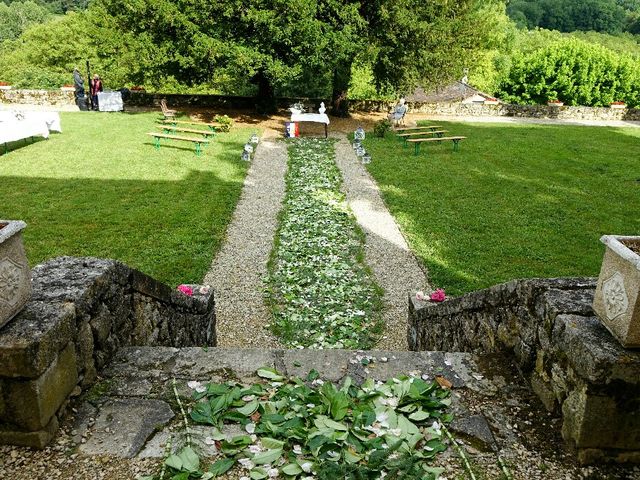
(81, 312)
(53, 98)
(573, 363)
(152, 100)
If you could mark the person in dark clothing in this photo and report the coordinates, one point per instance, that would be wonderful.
(95, 87)
(78, 83)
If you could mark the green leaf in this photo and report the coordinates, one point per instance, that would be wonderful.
(249, 408)
(258, 473)
(221, 466)
(269, 456)
(181, 476)
(312, 375)
(419, 416)
(271, 443)
(174, 461)
(270, 374)
(291, 469)
(190, 460)
(351, 457)
(339, 406)
(335, 425)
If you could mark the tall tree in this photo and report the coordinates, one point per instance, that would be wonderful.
(16, 17)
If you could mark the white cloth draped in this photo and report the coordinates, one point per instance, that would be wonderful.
(18, 125)
(310, 117)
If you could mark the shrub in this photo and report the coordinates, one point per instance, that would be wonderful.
(381, 127)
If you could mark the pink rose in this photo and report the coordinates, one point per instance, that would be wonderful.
(188, 291)
(438, 296)
(420, 296)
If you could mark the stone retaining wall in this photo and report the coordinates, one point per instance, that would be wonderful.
(81, 312)
(53, 98)
(573, 363)
(152, 100)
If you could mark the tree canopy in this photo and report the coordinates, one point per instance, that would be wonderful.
(569, 15)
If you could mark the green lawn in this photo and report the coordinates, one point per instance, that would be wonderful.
(101, 189)
(515, 201)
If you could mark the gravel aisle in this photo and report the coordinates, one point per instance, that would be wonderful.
(237, 271)
(386, 252)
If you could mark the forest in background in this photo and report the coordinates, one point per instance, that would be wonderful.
(583, 52)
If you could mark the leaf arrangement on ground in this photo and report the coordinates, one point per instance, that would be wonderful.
(306, 428)
(322, 294)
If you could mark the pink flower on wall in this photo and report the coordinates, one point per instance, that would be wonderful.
(187, 290)
(438, 296)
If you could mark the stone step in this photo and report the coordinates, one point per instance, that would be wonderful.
(123, 412)
(121, 427)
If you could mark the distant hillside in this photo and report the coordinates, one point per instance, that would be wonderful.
(57, 6)
(609, 16)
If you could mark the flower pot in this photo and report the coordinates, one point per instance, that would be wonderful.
(15, 277)
(617, 299)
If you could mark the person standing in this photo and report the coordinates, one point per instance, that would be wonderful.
(95, 87)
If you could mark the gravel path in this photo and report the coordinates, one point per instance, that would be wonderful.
(386, 252)
(238, 269)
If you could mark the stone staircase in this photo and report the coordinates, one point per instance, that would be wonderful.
(131, 412)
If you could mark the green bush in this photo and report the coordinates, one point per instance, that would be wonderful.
(574, 71)
(381, 127)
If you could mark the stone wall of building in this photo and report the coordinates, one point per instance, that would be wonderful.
(573, 363)
(81, 312)
(138, 99)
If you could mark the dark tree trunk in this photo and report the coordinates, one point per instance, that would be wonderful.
(339, 99)
(266, 99)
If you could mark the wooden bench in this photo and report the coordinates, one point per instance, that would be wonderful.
(405, 136)
(429, 127)
(174, 129)
(211, 125)
(418, 141)
(197, 141)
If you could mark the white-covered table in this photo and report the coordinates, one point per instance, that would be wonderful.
(18, 125)
(312, 117)
(110, 102)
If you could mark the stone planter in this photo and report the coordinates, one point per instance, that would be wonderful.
(618, 106)
(555, 104)
(617, 299)
(15, 277)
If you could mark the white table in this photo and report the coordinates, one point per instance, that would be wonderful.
(16, 126)
(110, 102)
(312, 117)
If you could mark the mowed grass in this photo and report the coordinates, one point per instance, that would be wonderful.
(101, 189)
(516, 201)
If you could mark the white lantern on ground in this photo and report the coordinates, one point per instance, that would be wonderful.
(366, 158)
(254, 139)
(356, 144)
(248, 148)
(246, 156)
(359, 134)
(360, 151)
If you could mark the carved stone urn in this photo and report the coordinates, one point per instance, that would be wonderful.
(617, 297)
(15, 277)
